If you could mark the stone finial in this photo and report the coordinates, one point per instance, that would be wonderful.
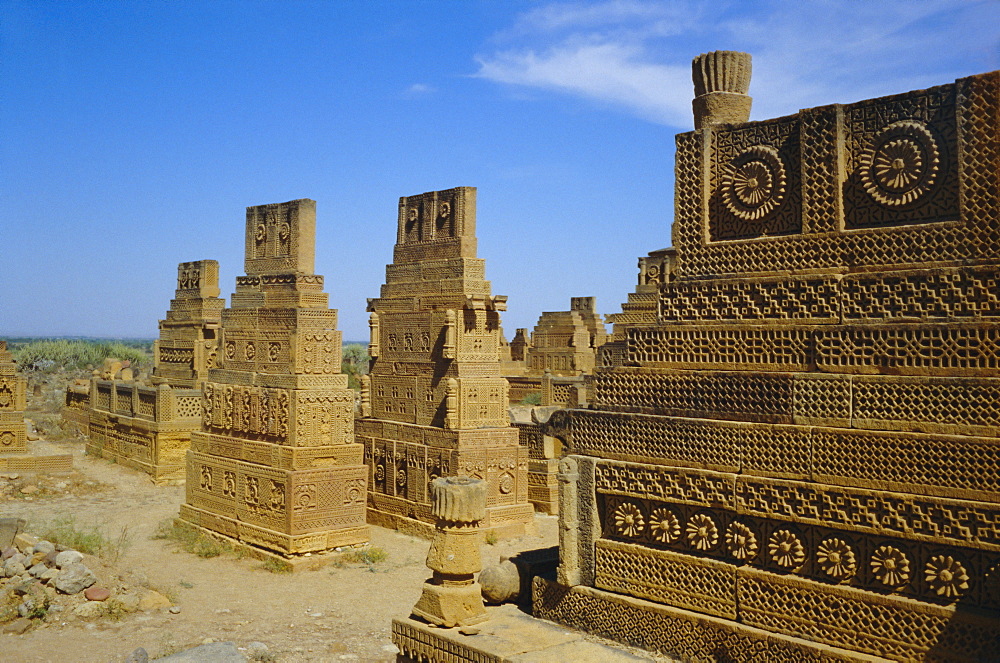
(721, 82)
(458, 499)
(452, 597)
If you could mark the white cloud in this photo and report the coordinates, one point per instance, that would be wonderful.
(636, 55)
(418, 89)
(607, 72)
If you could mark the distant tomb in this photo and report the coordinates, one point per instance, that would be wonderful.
(145, 426)
(14, 451)
(13, 430)
(275, 464)
(556, 361)
(435, 403)
(555, 364)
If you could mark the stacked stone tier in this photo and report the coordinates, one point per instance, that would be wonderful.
(403, 459)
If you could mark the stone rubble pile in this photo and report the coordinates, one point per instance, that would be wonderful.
(41, 581)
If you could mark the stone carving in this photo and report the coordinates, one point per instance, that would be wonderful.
(436, 402)
(452, 597)
(794, 432)
(721, 82)
(274, 463)
(13, 431)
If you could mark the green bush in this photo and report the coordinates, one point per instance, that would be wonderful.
(54, 354)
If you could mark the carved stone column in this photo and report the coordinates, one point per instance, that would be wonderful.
(721, 83)
(452, 597)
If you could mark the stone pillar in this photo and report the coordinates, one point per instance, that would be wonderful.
(452, 597)
(721, 83)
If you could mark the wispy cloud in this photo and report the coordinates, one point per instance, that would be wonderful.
(609, 72)
(636, 54)
(418, 90)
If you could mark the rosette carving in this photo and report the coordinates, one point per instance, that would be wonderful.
(786, 549)
(901, 165)
(664, 525)
(629, 520)
(836, 559)
(754, 183)
(741, 541)
(702, 532)
(946, 576)
(890, 566)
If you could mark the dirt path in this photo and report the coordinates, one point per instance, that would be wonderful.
(329, 614)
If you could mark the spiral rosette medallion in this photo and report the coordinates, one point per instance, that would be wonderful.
(836, 559)
(754, 184)
(664, 526)
(702, 532)
(946, 576)
(786, 550)
(741, 542)
(901, 165)
(628, 520)
(890, 566)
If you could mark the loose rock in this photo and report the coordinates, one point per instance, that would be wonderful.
(74, 579)
(97, 593)
(153, 600)
(67, 557)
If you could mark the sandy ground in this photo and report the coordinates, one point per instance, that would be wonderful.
(329, 614)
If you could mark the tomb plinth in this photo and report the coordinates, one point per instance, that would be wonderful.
(149, 426)
(275, 464)
(435, 403)
(13, 431)
(793, 447)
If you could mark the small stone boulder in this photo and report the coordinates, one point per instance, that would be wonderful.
(97, 593)
(67, 557)
(153, 600)
(74, 579)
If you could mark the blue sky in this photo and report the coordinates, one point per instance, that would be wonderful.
(136, 133)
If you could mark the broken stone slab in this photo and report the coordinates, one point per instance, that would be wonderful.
(9, 529)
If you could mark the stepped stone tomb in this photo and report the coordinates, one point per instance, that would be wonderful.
(145, 426)
(13, 431)
(435, 402)
(561, 351)
(793, 447)
(14, 451)
(275, 464)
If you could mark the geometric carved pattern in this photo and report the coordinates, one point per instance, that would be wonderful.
(681, 634)
(666, 577)
(967, 293)
(798, 300)
(728, 395)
